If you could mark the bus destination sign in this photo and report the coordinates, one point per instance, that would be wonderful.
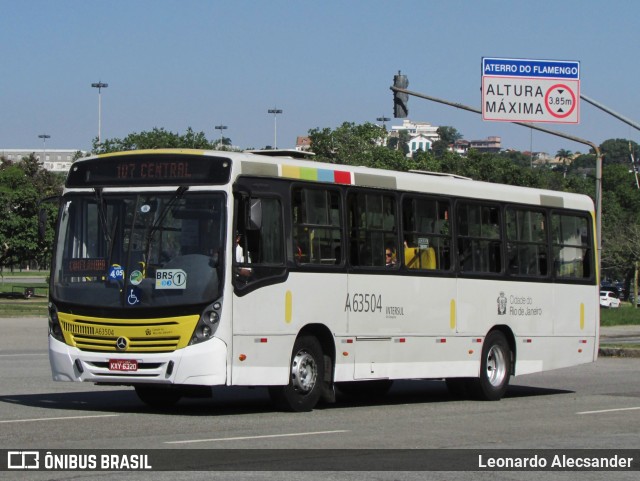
(150, 169)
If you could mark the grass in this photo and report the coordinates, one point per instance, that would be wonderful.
(614, 345)
(14, 304)
(8, 273)
(625, 315)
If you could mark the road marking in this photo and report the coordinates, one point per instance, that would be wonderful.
(57, 419)
(16, 355)
(243, 438)
(609, 410)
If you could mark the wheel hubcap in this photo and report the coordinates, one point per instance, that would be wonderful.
(496, 366)
(304, 372)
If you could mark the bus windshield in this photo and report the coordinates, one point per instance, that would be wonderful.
(139, 249)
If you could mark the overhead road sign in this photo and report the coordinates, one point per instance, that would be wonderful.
(523, 90)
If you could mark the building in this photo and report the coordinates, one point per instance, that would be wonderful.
(490, 144)
(303, 143)
(53, 160)
(460, 147)
(419, 143)
(422, 135)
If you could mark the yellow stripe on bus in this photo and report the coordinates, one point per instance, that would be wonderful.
(288, 307)
(452, 314)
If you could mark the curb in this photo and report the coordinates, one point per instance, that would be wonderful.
(618, 352)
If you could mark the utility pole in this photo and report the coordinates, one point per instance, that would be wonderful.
(44, 138)
(99, 86)
(221, 128)
(275, 112)
(383, 119)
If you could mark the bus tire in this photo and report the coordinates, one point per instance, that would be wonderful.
(495, 368)
(306, 376)
(158, 397)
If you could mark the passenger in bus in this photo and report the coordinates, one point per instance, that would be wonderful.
(390, 257)
(239, 257)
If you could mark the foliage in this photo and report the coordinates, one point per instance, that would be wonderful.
(349, 144)
(517, 157)
(22, 185)
(400, 142)
(618, 151)
(449, 134)
(583, 164)
(158, 138)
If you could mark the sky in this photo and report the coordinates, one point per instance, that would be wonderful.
(175, 64)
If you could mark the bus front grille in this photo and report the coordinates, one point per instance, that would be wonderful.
(127, 335)
(87, 343)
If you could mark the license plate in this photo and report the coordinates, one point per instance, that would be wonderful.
(128, 365)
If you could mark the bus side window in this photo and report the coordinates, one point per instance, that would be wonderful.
(571, 246)
(479, 238)
(526, 242)
(372, 227)
(262, 242)
(426, 233)
(317, 230)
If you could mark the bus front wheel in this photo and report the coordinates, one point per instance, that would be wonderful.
(495, 368)
(306, 376)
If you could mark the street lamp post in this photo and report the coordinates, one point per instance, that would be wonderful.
(221, 128)
(99, 86)
(383, 119)
(44, 138)
(275, 112)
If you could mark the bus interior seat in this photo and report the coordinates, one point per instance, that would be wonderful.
(416, 258)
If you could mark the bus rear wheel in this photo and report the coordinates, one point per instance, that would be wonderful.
(495, 368)
(158, 397)
(306, 376)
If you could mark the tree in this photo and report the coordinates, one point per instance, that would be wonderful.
(517, 157)
(222, 144)
(158, 138)
(617, 151)
(449, 134)
(583, 164)
(440, 147)
(400, 142)
(349, 144)
(565, 156)
(22, 185)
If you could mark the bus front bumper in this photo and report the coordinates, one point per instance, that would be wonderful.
(203, 364)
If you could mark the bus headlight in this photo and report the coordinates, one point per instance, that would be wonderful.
(207, 324)
(55, 330)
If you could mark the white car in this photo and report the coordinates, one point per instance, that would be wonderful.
(609, 299)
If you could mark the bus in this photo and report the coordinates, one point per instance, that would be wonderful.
(176, 271)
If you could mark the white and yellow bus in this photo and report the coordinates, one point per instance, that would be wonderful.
(176, 271)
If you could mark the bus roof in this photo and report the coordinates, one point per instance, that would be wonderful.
(287, 163)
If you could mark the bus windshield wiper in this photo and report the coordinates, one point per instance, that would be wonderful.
(160, 219)
(102, 215)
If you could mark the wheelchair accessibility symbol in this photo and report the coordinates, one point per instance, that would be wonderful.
(134, 296)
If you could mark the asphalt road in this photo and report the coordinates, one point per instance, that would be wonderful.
(593, 406)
